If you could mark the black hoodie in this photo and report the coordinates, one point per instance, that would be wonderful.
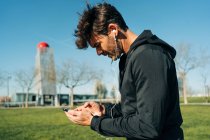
(149, 107)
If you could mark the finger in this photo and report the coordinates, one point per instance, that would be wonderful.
(90, 104)
(89, 111)
(87, 104)
(75, 119)
(79, 108)
(76, 109)
(71, 117)
(94, 113)
(68, 115)
(73, 112)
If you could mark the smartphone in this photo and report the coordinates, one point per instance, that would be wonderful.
(66, 109)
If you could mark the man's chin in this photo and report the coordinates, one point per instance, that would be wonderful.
(114, 58)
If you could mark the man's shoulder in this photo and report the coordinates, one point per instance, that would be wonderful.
(143, 49)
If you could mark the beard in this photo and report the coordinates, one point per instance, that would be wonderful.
(115, 48)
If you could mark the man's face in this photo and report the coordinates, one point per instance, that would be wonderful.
(106, 45)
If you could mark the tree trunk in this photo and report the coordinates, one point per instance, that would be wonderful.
(207, 90)
(26, 103)
(59, 101)
(184, 88)
(71, 96)
(208, 95)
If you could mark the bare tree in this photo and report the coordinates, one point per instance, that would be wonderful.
(204, 77)
(113, 92)
(204, 72)
(207, 93)
(100, 90)
(5, 78)
(60, 78)
(1, 79)
(75, 75)
(25, 80)
(187, 61)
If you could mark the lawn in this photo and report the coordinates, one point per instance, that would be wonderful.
(41, 124)
(196, 122)
(52, 124)
(196, 99)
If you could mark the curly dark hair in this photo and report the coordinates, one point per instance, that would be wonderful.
(96, 20)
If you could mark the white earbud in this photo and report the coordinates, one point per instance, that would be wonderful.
(114, 36)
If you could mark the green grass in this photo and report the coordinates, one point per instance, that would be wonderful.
(196, 122)
(52, 124)
(41, 124)
(196, 99)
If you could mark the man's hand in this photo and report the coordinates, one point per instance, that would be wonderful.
(82, 117)
(79, 108)
(95, 108)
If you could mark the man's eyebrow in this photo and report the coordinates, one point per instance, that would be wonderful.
(95, 45)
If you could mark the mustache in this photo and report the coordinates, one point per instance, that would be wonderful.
(108, 53)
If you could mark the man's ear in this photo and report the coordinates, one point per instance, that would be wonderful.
(113, 28)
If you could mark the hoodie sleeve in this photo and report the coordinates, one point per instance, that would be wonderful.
(112, 110)
(149, 71)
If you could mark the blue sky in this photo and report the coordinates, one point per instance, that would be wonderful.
(25, 23)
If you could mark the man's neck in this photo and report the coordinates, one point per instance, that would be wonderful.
(126, 42)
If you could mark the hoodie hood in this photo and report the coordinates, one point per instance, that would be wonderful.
(146, 37)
